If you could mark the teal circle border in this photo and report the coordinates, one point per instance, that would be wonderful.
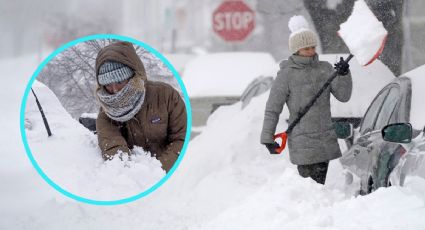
(105, 202)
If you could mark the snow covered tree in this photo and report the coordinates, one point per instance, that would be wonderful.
(71, 75)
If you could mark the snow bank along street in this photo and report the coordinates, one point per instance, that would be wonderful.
(226, 181)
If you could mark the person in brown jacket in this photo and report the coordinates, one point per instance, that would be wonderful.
(135, 111)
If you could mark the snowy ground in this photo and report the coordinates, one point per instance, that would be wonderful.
(227, 180)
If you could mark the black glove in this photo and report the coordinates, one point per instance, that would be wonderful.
(272, 147)
(342, 67)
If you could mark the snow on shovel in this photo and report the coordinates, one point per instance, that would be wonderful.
(365, 36)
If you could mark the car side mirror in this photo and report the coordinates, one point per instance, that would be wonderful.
(398, 132)
(343, 130)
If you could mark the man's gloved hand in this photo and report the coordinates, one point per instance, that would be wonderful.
(272, 147)
(342, 67)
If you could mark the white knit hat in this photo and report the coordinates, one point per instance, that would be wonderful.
(301, 35)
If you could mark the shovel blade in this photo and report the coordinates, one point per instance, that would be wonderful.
(363, 34)
(283, 136)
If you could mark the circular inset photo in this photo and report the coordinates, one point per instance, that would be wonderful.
(105, 119)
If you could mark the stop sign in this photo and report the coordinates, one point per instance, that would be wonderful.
(233, 20)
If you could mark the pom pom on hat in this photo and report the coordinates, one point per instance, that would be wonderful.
(301, 35)
(297, 23)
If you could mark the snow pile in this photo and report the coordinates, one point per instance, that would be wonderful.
(227, 180)
(71, 157)
(17, 176)
(302, 205)
(363, 33)
(240, 185)
(226, 74)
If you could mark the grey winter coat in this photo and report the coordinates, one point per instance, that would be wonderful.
(313, 139)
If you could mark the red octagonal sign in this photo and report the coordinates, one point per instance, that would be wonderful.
(233, 20)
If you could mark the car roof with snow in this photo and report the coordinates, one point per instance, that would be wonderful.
(227, 73)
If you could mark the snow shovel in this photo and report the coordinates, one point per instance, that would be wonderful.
(365, 37)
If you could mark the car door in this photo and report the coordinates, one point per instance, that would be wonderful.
(380, 151)
(362, 156)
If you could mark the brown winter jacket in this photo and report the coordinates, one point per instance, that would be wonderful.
(160, 125)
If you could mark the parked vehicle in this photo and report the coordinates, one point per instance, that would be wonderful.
(389, 144)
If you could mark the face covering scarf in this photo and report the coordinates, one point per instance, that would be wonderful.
(123, 105)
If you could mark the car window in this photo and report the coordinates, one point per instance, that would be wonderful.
(370, 116)
(387, 109)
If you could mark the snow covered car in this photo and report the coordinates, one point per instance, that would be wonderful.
(389, 144)
(88, 120)
(71, 157)
(257, 87)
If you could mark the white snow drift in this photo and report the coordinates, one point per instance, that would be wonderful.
(227, 180)
(71, 157)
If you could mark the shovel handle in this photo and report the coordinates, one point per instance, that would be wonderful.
(282, 136)
(349, 58)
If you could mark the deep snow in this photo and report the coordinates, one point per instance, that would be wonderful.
(71, 157)
(226, 181)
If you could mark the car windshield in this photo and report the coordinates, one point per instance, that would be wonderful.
(388, 109)
(381, 111)
(370, 116)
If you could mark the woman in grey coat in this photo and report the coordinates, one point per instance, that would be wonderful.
(313, 142)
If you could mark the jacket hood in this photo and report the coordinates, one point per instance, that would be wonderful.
(124, 53)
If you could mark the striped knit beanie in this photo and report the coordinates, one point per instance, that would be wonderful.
(113, 72)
